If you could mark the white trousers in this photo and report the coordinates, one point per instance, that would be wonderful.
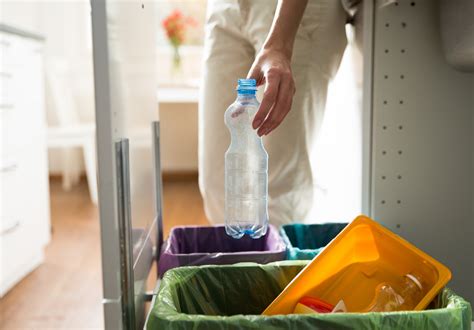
(235, 31)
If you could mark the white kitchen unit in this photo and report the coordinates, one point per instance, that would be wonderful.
(24, 207)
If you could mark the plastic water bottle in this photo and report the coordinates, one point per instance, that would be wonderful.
(246, 168)
(401, 296)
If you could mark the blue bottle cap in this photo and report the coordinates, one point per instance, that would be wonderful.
(246, 85)
(247, 82)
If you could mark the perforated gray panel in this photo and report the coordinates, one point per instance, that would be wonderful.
(422, 170)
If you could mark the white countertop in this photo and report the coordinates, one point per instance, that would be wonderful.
(177, 94)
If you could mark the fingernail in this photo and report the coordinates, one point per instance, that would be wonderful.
(257, 123)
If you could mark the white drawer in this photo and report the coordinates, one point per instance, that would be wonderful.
(15, 238)
(14, 49)
(9, 46)
(24, 83)
(20, 235)
(20, 252)
(24, 188)
(10, 196)
(6, 99)
(22, 106)
(18, 133)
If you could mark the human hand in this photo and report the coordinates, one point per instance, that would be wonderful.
(272, 68)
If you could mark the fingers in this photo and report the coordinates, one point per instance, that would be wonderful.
(269, 97)
(257, 74)
(280, 108)
(273, 70)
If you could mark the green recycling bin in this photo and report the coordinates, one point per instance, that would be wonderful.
(233, 296)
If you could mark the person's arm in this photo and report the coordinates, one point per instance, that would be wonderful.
(272, 66)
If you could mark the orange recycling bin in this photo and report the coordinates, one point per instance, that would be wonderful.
(364, 255)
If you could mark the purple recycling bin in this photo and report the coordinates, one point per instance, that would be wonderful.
(189, 246)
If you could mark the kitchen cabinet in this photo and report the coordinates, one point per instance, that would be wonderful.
(24, 208)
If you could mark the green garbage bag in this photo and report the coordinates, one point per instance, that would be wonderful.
(233, 296)
(306, 241)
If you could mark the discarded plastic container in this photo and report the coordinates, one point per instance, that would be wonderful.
(188, 246)
(233, 296)
(350, 268)
(305, 241)
(246, 168)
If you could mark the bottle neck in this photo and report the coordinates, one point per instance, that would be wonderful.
(243, 95)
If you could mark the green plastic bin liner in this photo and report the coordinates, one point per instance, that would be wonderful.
(233, 296)
(305, 241)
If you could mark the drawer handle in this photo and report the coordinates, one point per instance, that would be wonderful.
(9, 167)
(6, 75)
(10, 228)
(5, 43)
(7, 106)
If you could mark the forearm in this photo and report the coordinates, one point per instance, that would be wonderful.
(285, 25)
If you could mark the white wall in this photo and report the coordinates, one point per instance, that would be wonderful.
(22, 14)
(66, 27)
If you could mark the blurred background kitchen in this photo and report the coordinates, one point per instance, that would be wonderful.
(49, 214)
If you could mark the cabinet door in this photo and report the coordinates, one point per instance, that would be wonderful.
(126, 105)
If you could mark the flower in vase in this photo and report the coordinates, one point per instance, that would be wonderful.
(175, 25)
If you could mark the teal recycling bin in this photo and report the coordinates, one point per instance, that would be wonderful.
(305, 241)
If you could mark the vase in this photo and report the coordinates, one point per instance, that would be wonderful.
(176, 66)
